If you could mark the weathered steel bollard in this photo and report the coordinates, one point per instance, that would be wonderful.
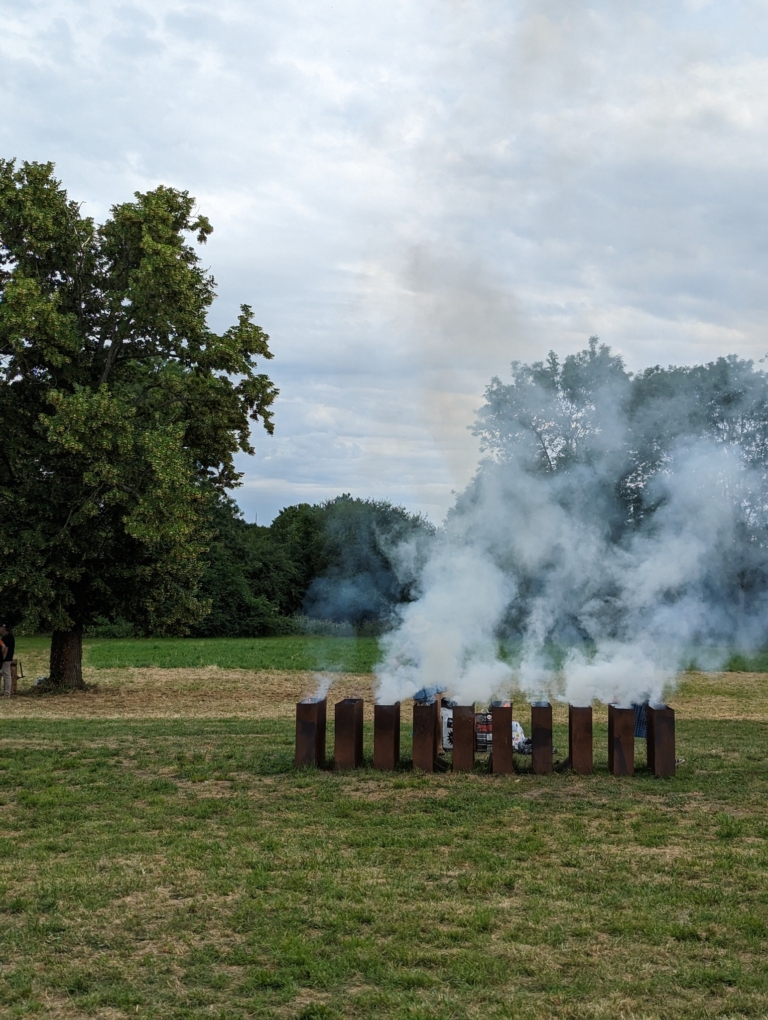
(386, 736)
(502, 762)
(310, 732)
(661, 740)
(463, 738)
(621, 740)
(580, 738)
(541, 737)
(348, 743)
(426, 719)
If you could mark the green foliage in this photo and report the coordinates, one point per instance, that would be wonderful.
(341, 560)
(372, 553)
(588, 410)
(621, 455)
(120, 410)
(248, 580)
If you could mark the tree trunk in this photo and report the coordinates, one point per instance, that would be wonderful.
(67, 658)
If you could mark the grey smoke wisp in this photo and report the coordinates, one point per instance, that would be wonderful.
(617, 524)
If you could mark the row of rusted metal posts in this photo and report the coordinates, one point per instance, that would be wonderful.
(427, 737)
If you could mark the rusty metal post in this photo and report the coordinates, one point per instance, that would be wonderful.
(348, 742)
(463, 738)
(621, 740)
(386, 736)
(502, 762)
(426, 719)
(580, 738)
(541, 738)
(310, 732)
(661, 740)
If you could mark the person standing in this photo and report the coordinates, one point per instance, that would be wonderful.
(8, 652)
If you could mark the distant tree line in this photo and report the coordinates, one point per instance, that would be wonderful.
(339, 562)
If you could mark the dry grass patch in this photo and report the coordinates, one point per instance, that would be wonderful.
(209, 693)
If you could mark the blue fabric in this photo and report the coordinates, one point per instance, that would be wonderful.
(427, 695)
(641, 720)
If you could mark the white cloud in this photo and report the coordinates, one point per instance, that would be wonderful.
(413, 194)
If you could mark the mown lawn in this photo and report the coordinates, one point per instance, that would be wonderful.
(335, 654)
(180, 868)
(294, 652)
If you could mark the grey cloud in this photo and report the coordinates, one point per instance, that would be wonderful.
(425, 191)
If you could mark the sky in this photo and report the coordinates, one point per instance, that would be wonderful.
(412, 195)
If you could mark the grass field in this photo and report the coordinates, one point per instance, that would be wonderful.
(161, 859)
(335, 654)
(332, 654)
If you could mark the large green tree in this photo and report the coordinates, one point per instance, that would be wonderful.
(120, 410)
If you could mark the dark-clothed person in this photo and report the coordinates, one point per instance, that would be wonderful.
(8, 650)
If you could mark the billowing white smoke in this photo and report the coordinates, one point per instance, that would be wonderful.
(450, 632)
(532, 554)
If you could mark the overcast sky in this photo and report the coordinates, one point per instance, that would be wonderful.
(412, 194)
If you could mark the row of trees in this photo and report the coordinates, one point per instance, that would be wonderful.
(338, 561)
(668, 458)
(586, 412)
(120, 415)
(121, 412)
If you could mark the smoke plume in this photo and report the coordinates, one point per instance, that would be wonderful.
(617, 527)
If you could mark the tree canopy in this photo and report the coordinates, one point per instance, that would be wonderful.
(588, 410)
(627, 462)
(120, 410)
(346, 560)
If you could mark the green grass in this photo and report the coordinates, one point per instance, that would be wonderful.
(179, 869)
(354, 655)
(350, 655)
(738, 663)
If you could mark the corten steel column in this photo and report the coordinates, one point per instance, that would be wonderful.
(310, 732)
(580, 738)
(348, 746)
(661, 740)
(621, 740)
(386, 736)
(425, 721)
(501, 753)
(463, 738)
(541, 737)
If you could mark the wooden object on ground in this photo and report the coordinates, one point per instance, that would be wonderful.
(386, 736)
(502, 762)
(580, 738)
(541, 738)
(348, 734)
(621, 740)
(463, 738)
(661, 740)
(310, 732)
(426, 719)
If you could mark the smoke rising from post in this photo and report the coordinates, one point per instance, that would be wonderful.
(616, 526)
